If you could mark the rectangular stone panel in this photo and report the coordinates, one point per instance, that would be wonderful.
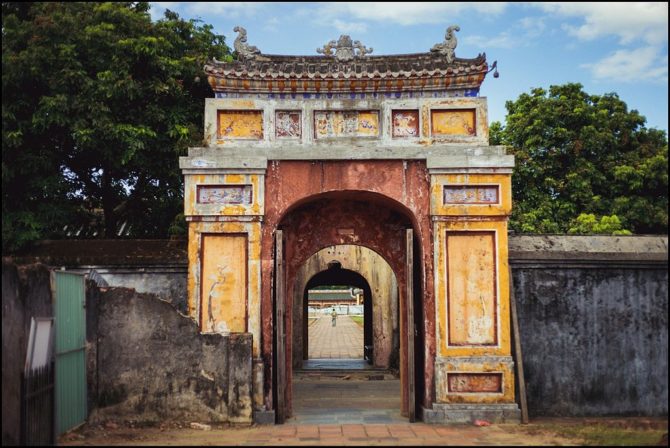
(453, 122)
(224, 194)
(471, 194)
(474, 382)
(346, 123)
(471, 288)
(240, 124)
(405, 123)
(223, 283)
(288, 124)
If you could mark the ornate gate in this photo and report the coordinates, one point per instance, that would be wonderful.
(348, 148)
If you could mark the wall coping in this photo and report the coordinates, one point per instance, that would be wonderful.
(523, 250)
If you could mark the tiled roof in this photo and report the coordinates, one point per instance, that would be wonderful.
(314, 74)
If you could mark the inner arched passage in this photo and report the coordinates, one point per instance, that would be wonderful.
(335, 275)
(355, 218)
(361, 267)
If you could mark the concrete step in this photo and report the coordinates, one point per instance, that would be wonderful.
(345, 375)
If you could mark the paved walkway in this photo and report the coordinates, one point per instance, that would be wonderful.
(345, 340)
(403, 434)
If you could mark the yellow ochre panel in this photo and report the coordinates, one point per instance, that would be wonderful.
(453, 122)
(224, 283)
(471, 292)
(240, 124)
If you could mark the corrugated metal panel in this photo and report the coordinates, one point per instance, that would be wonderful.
(69, 296)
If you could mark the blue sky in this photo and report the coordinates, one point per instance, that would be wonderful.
(606, 46)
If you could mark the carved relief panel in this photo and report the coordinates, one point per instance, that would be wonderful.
(224, 194)
(346, 123)
(288, 124)
(405, 123)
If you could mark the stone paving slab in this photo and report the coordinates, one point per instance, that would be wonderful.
(344, 340)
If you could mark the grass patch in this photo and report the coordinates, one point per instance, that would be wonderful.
(604, 435)
(357, 319)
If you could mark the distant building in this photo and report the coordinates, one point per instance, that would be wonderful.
(322, 298)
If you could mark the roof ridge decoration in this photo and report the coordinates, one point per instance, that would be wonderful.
(344, 49)
(448, 47)
(244, 50)
(345, 67)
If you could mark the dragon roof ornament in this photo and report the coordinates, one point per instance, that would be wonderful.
(345, 49)
(448, 47)
(244, 50)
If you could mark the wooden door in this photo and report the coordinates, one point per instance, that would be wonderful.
(280, 333)
(409, 274)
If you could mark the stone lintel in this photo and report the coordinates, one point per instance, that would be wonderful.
(437, 164)
(206, 163)
(477, 156)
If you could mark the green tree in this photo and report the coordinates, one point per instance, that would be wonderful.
(98, 103)
(584, 164)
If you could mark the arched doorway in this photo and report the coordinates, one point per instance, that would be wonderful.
(376, 222)
(358, 351)
(336, 265)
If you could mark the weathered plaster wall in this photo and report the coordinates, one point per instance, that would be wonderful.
(593, 317)
(595, 341)
(166, 282)
(384, 288)
(26, 293)
(153, 364)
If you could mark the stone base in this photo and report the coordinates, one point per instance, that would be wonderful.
(443, 413)
(264, 417)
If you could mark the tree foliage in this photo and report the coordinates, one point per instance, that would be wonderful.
(98, 102)
(584, 164)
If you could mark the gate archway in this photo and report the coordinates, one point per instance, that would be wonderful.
(359, 218)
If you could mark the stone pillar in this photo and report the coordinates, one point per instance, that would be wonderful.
(224, 207)
(470, 205)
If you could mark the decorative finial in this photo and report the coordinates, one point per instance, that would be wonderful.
(244, 50)
(448, 47)
(344, 49)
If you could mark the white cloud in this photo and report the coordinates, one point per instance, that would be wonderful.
(406, 13)
(533, 26)
(647, 21)
(641, 64)
(349, 27)
(272, 24)
(502, 40)
(522, 34)
(230, 9)
(156, 9)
